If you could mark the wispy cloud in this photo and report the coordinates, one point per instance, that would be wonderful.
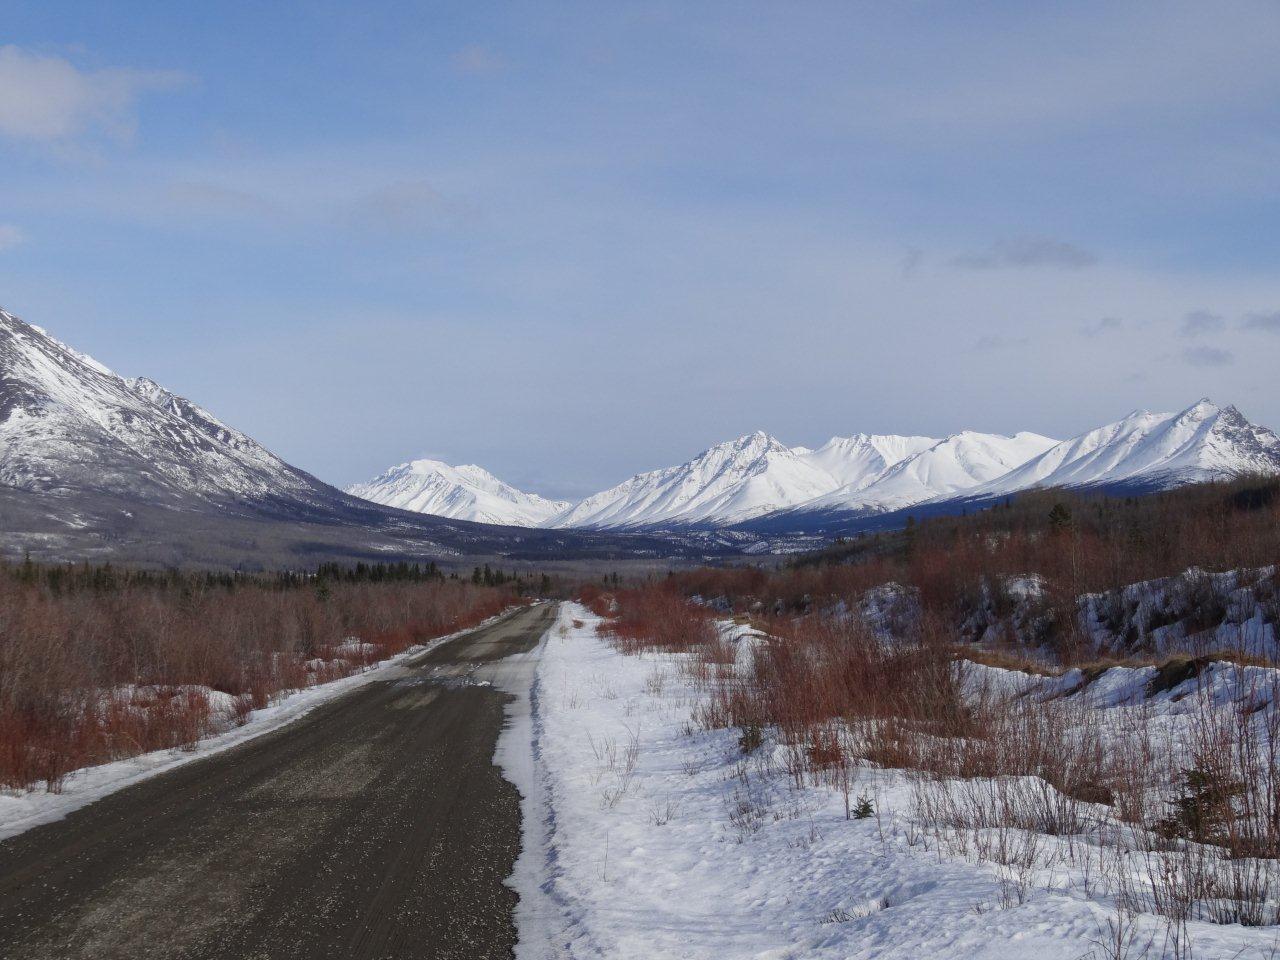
(10, 236)
(1022, 252)
(1105, 325)
(47, 99)
(1208, 357)
(1200, 322)
(1266, 322)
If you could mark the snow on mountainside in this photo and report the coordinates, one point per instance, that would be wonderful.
(68, 422)
(742, 479)
(949, 467)
(858, 461)
(464, 492)
(93, 466)
(1203, 442)
(732, 481)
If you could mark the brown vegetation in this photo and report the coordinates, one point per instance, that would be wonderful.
(1187, 828)
(98, 665)
(1077, 544)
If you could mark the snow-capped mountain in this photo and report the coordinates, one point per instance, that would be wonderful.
(92, 464)
(732, 481)
(66, 421)
(758, 483)
(96, 466)
(858, 461)
(742, 479)
(755, 476)
(466, 492)
(948, 468)
(1203, 442)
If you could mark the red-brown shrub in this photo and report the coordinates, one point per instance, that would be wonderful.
(105, 670)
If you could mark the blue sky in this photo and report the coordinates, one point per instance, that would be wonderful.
(572, 241)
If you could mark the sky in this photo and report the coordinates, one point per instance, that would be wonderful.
(573, 241)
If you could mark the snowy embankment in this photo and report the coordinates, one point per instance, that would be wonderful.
(649, 837)
(20, 810)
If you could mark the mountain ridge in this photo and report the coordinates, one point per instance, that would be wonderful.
(94, 466)
(755, 481)
(467, 492)
(89, 457)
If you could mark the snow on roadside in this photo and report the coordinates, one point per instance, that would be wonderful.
(647, 837)
(21, 810)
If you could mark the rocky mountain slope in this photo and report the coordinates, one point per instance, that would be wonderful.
(94, 466)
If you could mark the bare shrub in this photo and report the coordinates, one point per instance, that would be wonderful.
(99, 664)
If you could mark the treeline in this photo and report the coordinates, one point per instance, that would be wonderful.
(1077, 543)
(107, 577)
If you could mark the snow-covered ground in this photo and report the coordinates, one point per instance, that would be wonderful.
(648, 837)
(21, 810)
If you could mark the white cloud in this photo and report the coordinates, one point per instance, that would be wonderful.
(47, 99)
(295, 195)
(10, 236)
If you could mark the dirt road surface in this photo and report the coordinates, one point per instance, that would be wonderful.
(376, 826)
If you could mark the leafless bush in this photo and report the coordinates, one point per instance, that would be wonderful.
(101, 671)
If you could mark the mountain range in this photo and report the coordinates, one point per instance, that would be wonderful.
(758, 483)
(94, 466)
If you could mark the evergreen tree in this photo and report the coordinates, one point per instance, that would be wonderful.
(1059, 517)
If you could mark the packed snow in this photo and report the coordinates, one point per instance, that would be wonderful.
(649, 837)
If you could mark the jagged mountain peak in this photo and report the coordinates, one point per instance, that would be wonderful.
(734, 480)
(754, 444)
(1202, 442)
(859, 460)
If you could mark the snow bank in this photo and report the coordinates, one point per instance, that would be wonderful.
(646, 837)
(1194, 611)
